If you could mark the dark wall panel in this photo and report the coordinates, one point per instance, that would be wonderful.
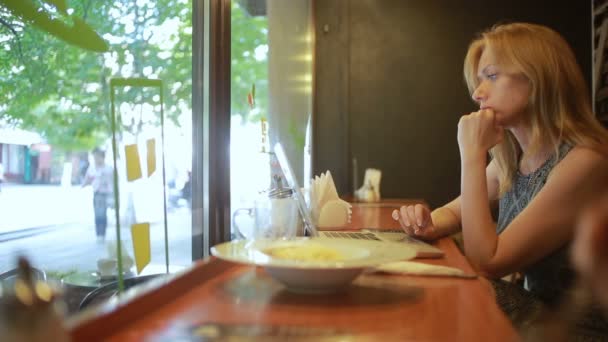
(389, 80)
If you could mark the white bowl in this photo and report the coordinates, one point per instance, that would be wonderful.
(313, 265)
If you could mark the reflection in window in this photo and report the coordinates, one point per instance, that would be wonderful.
(271, 49)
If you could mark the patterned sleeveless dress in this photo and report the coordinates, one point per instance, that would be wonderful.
(552, 275)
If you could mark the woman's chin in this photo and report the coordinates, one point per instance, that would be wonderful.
(504, 121)
(500, 120)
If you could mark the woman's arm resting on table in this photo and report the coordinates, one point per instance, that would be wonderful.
(417, 220)
(545, 225)
(446, 219)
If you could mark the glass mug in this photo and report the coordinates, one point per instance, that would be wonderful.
(275, 216)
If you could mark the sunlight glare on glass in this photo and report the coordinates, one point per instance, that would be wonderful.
(165, 54)
(175, 87)
(303, 90)
(129, 58)
(165, 35)
(111, 39)
(115, 12)
(65, 103)
(49, 8)
(129, 27)
(302, 78)
(147, 71)
(307, 57)
(17, 69)
(110, 61)
(127, 69)
(143, 3)
(261, 52)
(305, 38)
(92, 87)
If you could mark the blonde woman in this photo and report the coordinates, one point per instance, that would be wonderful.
(549, 160)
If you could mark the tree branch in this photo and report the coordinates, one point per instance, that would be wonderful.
(16, 34)
(85, 10)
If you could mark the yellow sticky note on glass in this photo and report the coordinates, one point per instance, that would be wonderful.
(151, 146)
(133, 166)
(140, 232)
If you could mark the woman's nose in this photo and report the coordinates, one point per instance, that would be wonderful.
(479, 94)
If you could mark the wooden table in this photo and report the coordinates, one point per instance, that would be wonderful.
(243, 300)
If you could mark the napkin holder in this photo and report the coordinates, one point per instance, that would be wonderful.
(334, 214)
(327, 209)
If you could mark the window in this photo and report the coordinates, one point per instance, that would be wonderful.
(55, 111)
(272, 53)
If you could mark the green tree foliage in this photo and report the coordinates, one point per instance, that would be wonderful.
(249, 62)
(62, 91)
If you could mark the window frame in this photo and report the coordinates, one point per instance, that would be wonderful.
(210, 125)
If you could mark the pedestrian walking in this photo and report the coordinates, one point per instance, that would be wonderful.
(101, 177)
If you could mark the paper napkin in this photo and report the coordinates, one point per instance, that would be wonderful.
(327, 209)
(418, 268)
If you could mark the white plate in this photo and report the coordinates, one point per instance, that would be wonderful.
(344, 259)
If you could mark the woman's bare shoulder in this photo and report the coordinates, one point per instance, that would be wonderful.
(587, 156)
(582, 165)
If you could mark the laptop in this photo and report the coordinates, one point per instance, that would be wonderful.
(423, 249)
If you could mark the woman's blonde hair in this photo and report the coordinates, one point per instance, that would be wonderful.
(559, 107)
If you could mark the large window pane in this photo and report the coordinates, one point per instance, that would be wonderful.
(249, 106)
(271, 50)
(55, 110)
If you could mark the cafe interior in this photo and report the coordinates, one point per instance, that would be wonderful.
(322, 115)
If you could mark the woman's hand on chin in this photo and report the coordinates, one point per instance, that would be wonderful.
(477, 133)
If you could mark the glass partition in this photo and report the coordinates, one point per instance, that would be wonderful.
(56, 206)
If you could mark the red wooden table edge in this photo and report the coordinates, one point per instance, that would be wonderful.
(106, 323)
